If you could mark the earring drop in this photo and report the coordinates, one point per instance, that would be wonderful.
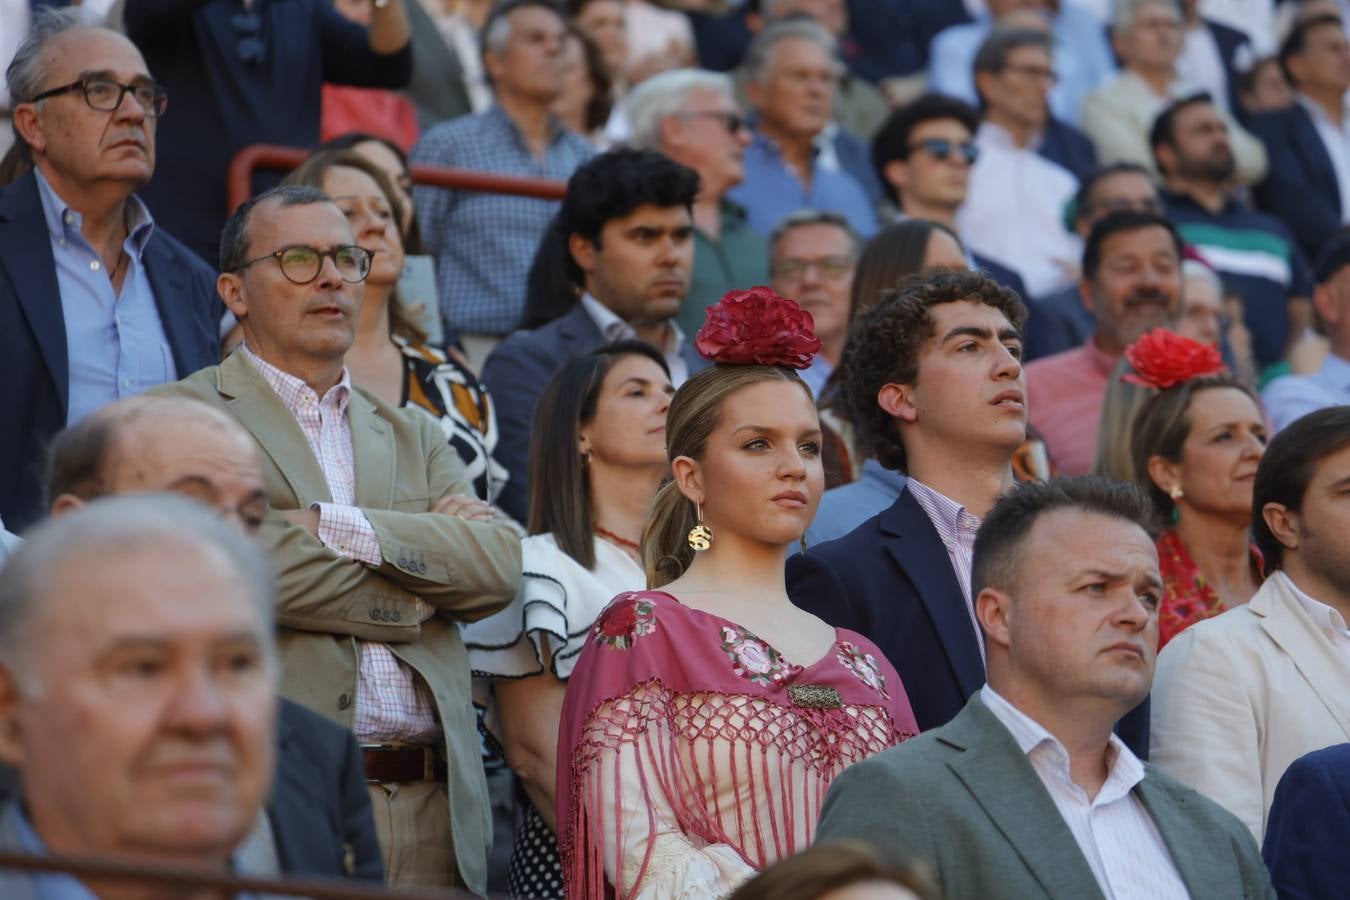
(700, 536)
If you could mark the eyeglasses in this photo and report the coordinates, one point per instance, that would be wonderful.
(827, 266)
(733, 122)
(248, 25)
(941, 149)
(105, 95)
(301, 264)
(1043, 72)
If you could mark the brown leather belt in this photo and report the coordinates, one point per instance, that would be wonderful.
(397, 763)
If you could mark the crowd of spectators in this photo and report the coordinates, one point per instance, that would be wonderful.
(1043, 317)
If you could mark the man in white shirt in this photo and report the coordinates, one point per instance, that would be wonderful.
(1241, 696)
(1292, 396)
(1027, 792)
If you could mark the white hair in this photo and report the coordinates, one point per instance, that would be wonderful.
(1125, 11)
(760, 52)
(664, 95)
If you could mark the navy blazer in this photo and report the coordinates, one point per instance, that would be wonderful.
(516, 373)
(1001, 274)
(1231, 43)
(891, 580)
(1300, 188)
(1067, 146)
(320, 807)
(33, 338)
(1305, 832)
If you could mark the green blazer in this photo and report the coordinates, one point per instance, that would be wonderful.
(964, 800)
(466, 570)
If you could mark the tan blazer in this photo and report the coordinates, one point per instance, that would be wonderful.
(1119, 114)
(1239, 697)
(466, 570)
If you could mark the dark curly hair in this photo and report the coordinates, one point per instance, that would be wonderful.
(884, 344)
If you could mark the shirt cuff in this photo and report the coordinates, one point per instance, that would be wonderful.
(346, 530)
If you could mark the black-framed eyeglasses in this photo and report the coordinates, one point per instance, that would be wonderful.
(105, 95)
(733, 122)
(248, 26)
(941, 149)
(301, 263)
(1042, 72)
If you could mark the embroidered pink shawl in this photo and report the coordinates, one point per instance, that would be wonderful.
(688, 743)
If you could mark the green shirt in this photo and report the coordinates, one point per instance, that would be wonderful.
(739, 259)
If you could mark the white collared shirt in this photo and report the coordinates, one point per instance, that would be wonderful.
(616, 329)
(1336, 140)
(1327, 619)
(1117, 836)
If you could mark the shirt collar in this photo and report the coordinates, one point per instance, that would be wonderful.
(991, 135)
(1172, 198)
(292, 390)
(1336, 370)
(1323, 616)
(1124, 770)
(64, 222)
(1317, 112)
(950, 517)
(613, 328)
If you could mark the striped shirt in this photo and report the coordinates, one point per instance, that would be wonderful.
(1122, 845)
(956, 527)
(391, 703)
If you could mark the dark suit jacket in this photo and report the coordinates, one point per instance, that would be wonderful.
(319, 808)
(1069, 147)
(965, 800)
(516, 373)
(1231, 42)
(437, 86)
(1001, 274)
(891, 580)
(1300, 187)
(33, 338)
(1307, 825)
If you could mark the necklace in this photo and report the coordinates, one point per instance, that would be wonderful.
(622, 542)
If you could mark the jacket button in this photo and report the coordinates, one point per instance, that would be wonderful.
(344, 701)
(375, 614)
(397, 615)
(403, 562)
(422, 568)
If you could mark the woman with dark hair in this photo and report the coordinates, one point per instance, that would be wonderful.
(707, 716)
(597, 457)
(1195, 446)
(837, 870)
(390, 159)
(391, 357)
(550, 291)
(588, 89)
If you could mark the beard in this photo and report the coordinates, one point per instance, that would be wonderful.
(1219, 167)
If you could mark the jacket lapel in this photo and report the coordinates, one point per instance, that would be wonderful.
(373, 452)
(914, 544)
(1314, 153)
(1317, 660)
(26, 257)
(1002, 781)
(261, 411)
(168, 282)
(1204, 872)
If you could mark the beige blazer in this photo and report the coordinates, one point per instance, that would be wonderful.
(1119, 115)
(1239, 697)
(466, 570)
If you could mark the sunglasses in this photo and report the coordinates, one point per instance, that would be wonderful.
(941, 149)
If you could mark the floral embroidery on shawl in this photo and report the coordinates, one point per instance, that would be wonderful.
(864, 665)
(752, 658)
(1187, 596)
(627, 619)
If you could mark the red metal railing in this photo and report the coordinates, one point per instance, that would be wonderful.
(275, 156)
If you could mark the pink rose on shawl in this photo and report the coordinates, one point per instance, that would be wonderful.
(619, 621)
(864, 666)
(753, 658)
(627, 619)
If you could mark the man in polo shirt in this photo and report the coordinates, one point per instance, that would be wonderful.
(1132, 281)
(691, 116)
(1294, 396)
(483, 243)
(1253, 251)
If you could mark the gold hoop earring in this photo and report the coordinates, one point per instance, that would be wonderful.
(700, 536)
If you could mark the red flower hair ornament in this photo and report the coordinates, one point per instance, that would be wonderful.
(1163, 359)
(758, 327)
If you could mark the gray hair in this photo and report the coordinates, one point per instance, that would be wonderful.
(114, 527)
(803, 218)
(1125, 11)
(26, 72)
(664, 95)
(497, 29)
(234, 234)
(760, 52)
(994, 52)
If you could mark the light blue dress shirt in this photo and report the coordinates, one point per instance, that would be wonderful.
(816, 375)
(770, 190)
(1293, 396)
(116, 345)
(1082, 59)
(844, 508)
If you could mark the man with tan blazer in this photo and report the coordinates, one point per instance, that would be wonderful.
(1239, 697)
(379, 546)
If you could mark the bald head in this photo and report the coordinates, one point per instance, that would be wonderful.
(172, 444)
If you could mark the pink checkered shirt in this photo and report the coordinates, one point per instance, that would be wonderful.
(956, 527)
(391, 703)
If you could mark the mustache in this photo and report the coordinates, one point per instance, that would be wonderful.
(1145, 295)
